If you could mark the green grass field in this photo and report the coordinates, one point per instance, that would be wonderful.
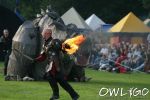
(17, 90)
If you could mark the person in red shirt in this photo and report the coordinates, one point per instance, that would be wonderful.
(119, 60)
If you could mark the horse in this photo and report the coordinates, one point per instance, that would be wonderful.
(27, 43)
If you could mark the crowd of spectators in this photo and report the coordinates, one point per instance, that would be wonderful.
(122, 57)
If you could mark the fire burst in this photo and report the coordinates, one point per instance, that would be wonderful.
(72, 45)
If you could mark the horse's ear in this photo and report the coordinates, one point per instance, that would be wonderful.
(43, 12)
(49, 8)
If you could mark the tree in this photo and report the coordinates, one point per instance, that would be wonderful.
(109, 10)
(146, 4)
(8, 3)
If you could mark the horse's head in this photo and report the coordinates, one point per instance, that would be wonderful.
(52, 23)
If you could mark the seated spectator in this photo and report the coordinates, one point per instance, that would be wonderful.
(147, 65)
(104, 63)
(118, 63)
(104, 50)
(141, 60)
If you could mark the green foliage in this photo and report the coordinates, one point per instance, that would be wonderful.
(146, 4)
(109, 10)
(29, 8)
(8, 3)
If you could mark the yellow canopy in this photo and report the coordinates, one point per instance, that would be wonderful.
(130, 23)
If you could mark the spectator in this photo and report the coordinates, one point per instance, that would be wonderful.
(104, 50)
(147, 65)
(104, 63)
(148, 40)
(142, 60)
(6, 48)
(122, 57)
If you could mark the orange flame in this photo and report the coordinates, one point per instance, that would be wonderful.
(72, 45)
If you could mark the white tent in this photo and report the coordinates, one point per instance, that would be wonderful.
(94, 22)
(73, 17)
(147, 22)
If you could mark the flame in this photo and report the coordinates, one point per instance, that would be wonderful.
(72, 45)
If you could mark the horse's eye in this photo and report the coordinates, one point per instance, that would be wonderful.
(31, 35)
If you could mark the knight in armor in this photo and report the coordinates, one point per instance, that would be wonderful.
(54, 74)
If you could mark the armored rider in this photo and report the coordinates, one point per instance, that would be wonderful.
(52, 52)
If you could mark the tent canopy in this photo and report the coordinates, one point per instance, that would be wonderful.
(94, 22)
(130, 23)
(73, 17)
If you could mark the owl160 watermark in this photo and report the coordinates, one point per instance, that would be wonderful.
(132, 92)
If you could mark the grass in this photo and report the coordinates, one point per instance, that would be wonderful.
(1, 64)
(16, 90)
(1, 67)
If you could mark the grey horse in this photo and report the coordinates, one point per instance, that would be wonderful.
(27, 43)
